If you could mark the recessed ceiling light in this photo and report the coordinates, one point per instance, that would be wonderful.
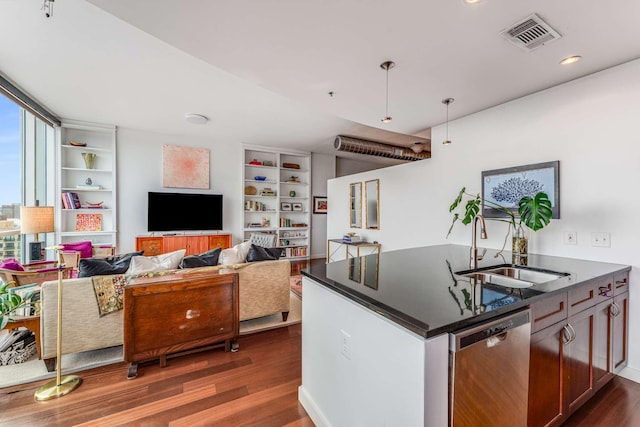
(472, 1)
(196, 119)
(571, 59)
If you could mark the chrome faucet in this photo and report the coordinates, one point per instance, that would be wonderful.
(483, 235)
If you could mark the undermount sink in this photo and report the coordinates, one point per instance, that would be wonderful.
(499, 280)
(512, 276)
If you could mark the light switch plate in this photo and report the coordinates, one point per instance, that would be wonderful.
(570, 238)
(601, 239)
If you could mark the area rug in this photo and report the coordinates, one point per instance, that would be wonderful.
(275, 320)
(296, 285)
(34, 369)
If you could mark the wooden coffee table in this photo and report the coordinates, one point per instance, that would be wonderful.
(32, 323)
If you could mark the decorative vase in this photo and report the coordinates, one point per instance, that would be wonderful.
(89, 159)
(519, 245)
(292, 193)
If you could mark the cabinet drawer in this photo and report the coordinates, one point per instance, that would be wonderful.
(620, 283)
(548, 311)
(590, 294)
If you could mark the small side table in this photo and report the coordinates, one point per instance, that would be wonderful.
(32, 323)
(361, 248)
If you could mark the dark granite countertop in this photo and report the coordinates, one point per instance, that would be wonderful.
(418, 288)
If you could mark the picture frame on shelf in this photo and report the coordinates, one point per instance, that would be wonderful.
(320, 205)
(507, 186)
(285, 206)
(297, 207)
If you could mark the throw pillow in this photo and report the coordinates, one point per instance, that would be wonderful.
(12, 264)
(235, 255)
(258, 253)
(202, 260)
(168, 261)
(117, 264)
(85, 248)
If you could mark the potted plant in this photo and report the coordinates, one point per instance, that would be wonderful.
(10, 302)
(533, 213)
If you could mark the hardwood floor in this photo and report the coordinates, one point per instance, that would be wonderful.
(256, 386)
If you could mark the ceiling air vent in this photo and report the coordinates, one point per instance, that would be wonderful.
(530, 33)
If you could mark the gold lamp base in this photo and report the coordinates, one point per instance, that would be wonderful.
(52, 390)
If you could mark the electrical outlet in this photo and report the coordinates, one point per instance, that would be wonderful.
(570, 238)
(601, 239)
(345, 344)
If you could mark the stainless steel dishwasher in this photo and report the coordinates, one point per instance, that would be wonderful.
(489, 373)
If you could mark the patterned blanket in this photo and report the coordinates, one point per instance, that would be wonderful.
(109, 292)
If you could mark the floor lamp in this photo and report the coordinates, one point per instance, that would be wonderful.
(34, 220)
(61, 385)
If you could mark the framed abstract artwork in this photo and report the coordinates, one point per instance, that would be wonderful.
(507, 186)
(185, 167)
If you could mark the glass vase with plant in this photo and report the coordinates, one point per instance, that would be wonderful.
(533, 212)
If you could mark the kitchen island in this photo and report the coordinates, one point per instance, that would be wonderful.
(376, 344)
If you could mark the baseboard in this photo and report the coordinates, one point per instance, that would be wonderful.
(630, 374)
(314, 412)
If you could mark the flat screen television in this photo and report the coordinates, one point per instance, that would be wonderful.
(184, 211)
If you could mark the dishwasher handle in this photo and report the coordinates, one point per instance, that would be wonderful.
(497, 328)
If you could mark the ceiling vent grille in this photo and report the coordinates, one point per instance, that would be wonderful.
(372, 148)
(530, 33)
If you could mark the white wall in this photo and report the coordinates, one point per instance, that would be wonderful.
(323, 168)
(139, 160)
(589, 125)
(346, 166)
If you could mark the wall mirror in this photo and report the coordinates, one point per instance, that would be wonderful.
(372, 197)
(355, 205)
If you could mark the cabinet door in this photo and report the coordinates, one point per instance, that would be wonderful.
(220, 241)
(197, 244)
(174, 243)
(620, 335)
(150, 245)
(578, 359)
(602, 345)
(546, 406)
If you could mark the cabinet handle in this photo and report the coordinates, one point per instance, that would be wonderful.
(604, 290)
(621, 282)
(614, 310)
(566, 334)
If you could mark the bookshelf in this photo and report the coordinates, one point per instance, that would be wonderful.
(277, 198)
(86, 205)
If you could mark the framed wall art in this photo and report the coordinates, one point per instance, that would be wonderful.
(185, 167)
(507, 186)
(297, 207)
(319, 204)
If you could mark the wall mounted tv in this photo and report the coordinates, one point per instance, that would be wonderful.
(184, 211)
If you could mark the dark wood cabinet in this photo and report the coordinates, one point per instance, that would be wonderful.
(177, 313)
(194, 244)
(546, 371)
(578, 359)
(620, 331)
(573, 358)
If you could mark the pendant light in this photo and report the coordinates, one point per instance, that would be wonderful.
(387, 65)
(446, 102)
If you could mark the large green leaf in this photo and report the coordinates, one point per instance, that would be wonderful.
(471, 210)
(535, 212)
(457, 201)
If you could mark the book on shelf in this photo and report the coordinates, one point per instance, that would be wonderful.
(71, 200)
(88, 222)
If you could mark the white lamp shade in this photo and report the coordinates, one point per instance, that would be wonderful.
(36, 219)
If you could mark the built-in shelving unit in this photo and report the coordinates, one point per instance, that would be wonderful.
(280, 203)
(99, 225)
